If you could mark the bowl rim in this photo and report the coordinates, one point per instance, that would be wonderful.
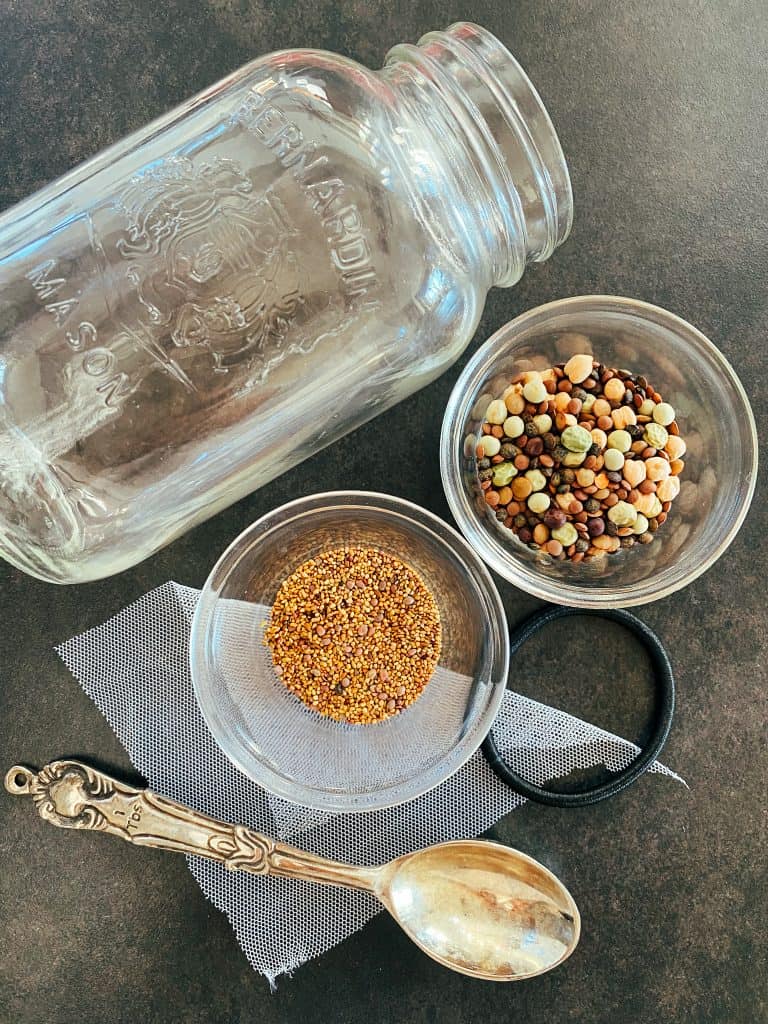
(451, 452)
(395, 794)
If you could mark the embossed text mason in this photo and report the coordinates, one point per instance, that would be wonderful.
(263, 269)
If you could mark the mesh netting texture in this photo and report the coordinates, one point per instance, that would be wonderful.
(135, 667)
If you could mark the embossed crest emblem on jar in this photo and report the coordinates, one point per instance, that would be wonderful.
(213, 263)
(291, 252)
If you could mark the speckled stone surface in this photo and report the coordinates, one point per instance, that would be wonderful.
(661, 110)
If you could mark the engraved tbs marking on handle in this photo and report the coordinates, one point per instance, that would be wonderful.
(72, 795)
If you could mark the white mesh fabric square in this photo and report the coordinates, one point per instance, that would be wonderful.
(135, 668)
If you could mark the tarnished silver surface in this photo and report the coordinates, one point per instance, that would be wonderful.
(478, 908)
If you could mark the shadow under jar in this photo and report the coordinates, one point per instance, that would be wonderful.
(713, 415)
(265, 268)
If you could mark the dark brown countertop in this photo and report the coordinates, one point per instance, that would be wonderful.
(661, 110)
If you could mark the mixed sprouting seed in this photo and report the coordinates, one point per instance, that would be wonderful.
(579, 460)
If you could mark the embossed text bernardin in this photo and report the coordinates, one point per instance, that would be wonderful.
(328, 194)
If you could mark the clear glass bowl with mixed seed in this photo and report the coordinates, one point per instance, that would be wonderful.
(598, 452)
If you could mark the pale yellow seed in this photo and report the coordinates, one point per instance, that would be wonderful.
(640, 524)
(513, 426)
(489, 444)
(515, 402)
(668, 489)
(566, 534)
(634, 471)
(535, 392)
(675, 447)
(614, 389)
(655, 435)
(604, 542)
(648, 504)
(536, 479)
(496, 412)
(623, 417)
(538, 502)
(664, 414)
(613, 460)
(657, 468)
(578, 368)
(622, 513)
(574, 459)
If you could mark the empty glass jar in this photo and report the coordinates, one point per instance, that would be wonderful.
(248, 278)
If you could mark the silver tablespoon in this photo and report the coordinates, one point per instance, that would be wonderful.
(477, 907)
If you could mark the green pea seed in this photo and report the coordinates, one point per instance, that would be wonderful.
(504, 473)
(566, 534)
(576, 439)
(655, 435)
(620, 440)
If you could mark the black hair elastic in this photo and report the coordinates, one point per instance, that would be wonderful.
(664, 710)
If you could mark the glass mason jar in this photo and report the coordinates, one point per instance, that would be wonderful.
(235, 286)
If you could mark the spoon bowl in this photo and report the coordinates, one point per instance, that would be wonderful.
(482, 909)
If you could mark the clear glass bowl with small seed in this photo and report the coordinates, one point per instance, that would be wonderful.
(294, 752)
(713, 414)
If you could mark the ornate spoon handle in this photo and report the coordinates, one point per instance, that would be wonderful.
(70, 794)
